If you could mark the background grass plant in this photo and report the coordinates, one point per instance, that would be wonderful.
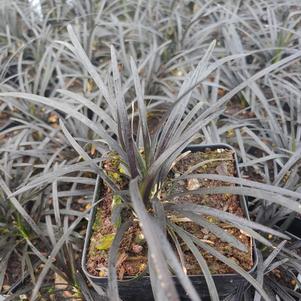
(251, 78)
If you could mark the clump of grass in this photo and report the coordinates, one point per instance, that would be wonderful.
(167, 41)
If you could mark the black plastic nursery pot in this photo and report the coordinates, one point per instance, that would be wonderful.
(294, 229)
(140, 287)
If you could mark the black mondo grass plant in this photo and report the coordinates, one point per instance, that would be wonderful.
(147, 158)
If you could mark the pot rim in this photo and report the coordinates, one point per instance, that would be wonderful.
(194, 147)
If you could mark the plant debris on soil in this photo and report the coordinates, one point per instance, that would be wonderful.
(220, 161)
(132, 258)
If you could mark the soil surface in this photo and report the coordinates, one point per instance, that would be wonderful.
(132, 258)
(221, 162)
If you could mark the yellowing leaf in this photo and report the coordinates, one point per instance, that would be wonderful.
(90, 85)
(105, 242)
(122, 170)
(117, 200)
